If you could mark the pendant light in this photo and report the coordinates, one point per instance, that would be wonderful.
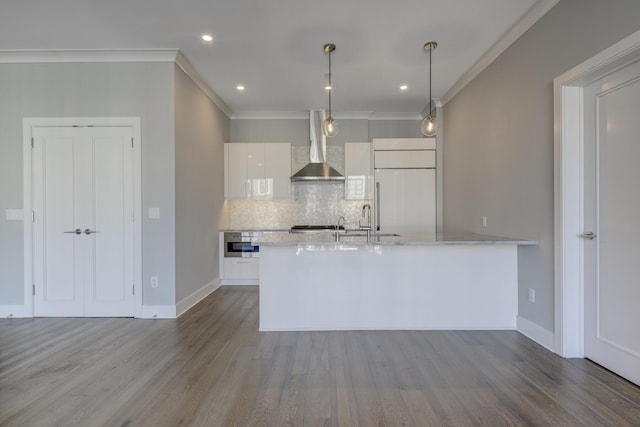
(429, 126)
(329, 125)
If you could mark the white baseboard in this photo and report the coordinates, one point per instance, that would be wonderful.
(536, 332)
(13, 312)
(240, 282)
(189, 301)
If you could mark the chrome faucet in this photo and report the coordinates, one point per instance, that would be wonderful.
(366, 209)
(344, 221)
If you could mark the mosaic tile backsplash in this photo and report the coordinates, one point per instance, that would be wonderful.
(312, 203)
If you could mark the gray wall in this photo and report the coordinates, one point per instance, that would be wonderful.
(143, 90)
(296, 131)
(498, 147)
(201, 130)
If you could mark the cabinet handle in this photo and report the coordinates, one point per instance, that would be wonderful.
(376, 205)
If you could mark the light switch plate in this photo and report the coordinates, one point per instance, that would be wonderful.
(15, 215)
(154, 213)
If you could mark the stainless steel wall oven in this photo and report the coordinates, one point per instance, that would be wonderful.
(240, 244)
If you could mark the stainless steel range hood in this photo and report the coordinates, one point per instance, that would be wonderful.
(318, 169)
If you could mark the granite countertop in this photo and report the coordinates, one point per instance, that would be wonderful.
(357, 238)
(254, 230)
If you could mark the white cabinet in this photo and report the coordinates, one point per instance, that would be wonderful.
(405, 185)
(257, 171)
(277, 161)
(358, 170)
(242, 268)
(406, 200)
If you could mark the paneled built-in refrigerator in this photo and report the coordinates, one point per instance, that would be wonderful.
(405, 186)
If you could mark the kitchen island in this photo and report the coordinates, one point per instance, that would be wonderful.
(416, 281)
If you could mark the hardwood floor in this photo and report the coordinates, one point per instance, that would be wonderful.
(212, 367)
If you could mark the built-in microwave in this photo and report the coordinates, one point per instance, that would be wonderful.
(240, 244)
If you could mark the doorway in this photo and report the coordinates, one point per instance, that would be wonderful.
(596, 203)
(82, 245)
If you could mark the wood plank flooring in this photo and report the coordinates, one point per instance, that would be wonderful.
(212, 367)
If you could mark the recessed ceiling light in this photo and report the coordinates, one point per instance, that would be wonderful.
(240, 88)
(404, 87)
(207, 37)
(328, 87)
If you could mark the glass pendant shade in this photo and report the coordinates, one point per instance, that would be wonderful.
(429, 126)
(330, 127)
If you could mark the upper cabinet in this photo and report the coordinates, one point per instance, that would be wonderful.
(257, 171)
(358, 170)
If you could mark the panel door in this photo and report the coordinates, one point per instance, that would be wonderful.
(405, 200)
(612, 208)
(83, 230)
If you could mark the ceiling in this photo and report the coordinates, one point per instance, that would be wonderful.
(275, 48)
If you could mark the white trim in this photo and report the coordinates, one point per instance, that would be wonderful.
(82, 55)
(537, 11)
(28, 124)
(13, 312)
(240, 282)
(338, 115)
(157, 312)
(186, 66)
(395, 116)
(535, 332)
(271, 115)
(399, 328)
(568, 189)
(190, 300)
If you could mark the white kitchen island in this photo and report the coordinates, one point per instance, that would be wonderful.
(312, 282)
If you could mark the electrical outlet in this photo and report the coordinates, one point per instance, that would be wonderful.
(532, 295)
(154, 281)
(484, 221)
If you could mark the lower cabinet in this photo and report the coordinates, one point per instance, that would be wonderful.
(241, 268)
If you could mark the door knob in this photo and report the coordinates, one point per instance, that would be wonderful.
(76, 231)
(589, 235)
(87, 231)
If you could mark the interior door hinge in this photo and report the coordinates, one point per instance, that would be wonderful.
(33, 216)
(33, 288)
(32, 143)
(131, 142)
(133, 289)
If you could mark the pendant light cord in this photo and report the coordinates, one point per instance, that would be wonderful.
(430, 108)
(330, 85)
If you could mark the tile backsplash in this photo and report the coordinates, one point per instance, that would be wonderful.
(312, 202)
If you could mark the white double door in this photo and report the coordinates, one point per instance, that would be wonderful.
(83, 221)
(612, 211)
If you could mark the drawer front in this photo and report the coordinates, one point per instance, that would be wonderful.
(405, 159)
(404, 143)
(242, 268)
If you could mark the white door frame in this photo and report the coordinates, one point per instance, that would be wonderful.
(569, 187)
(28, 124)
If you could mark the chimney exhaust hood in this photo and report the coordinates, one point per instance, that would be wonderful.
(317, 169)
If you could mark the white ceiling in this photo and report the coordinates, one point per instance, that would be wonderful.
(274, 47)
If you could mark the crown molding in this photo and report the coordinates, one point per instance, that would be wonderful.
(184, 64)
(394, 116)
(304, 115)
(270, 115)
(537, 11)
(81, 55)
